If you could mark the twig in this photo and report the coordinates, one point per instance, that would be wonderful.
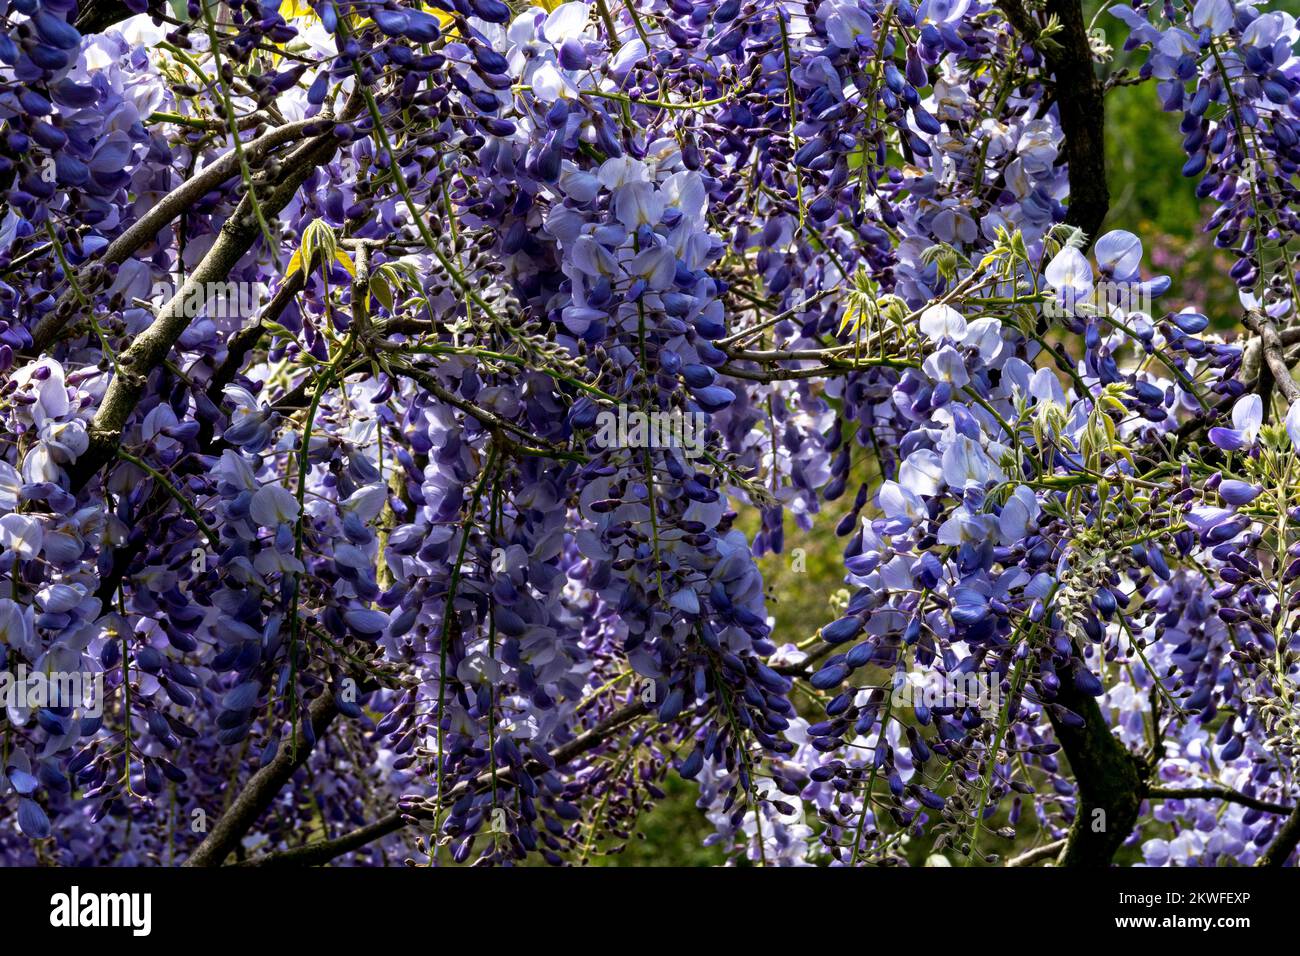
(147, 226)
(1030, 857)
(1274, 357)
(1284, 844)
(530, 444)
(1216, 793)
(325, 850)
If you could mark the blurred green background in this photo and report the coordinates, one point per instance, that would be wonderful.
(1149, 197)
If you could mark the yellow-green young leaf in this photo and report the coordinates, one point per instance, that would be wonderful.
(382, 291)
(275, 328)
(318, 239)
(1110, 401)
(892, 308)
(852, 316)
(296, 9)
(1018, 246)
(342, 258)
(295, 263)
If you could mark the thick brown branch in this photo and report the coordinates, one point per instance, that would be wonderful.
(314, 854)
(1274, 355)
(1079, 95)
(147, 227)
(1110, 781)
(1284, 844)
(152, 346)
(1216, 793)
(261, 789)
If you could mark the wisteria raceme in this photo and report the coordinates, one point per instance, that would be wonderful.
(401, 400)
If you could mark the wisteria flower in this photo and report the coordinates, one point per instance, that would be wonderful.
(1247, 417)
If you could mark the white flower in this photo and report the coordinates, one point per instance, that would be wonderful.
(1070, 275)
(22, 535)
(1293, 425)
(942, 321)
(567, 21)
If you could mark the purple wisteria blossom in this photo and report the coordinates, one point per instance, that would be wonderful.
(405, 400)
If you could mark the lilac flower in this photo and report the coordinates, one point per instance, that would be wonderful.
(899, 504)
(965, 527)
(1238, 493)
(1247, 417)
(1212, 15)
(273, 505)
(249, 421)
(1070, 275)
(941, 322)
(1020, 510)
(948, 367)
(21, 536)
(847, 23)
(966, 465)
(1293, 425)
(1118, 255)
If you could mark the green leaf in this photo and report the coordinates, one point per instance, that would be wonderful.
(382, 291)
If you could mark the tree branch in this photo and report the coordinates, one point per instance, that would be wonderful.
(1284, 844)
(1216, 793)
(323, 851)
(1111, 782)
(1030, 857)
(242, 342)
(525, 443)
(146, 228)
(1080, 104)
(1274, 357)
(94, 15)
(152, 346)
(261, 789)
